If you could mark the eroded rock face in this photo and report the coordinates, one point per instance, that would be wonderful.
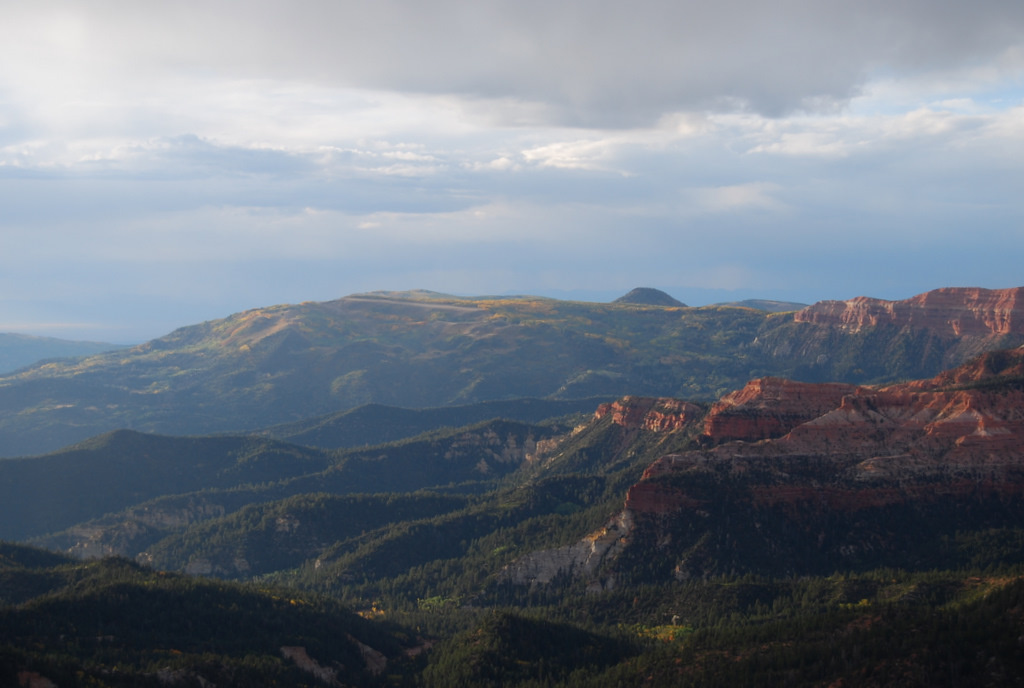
(376, 662)
(650, 413)
(863, 435)
(493, 450)
(820, 472)
(580, 560)
(302, 659)
(952, 311)
(771, 407)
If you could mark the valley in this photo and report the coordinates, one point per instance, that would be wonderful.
(402, 489)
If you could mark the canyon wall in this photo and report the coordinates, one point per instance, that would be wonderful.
(953, 311)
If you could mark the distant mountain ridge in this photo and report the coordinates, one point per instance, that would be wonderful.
(284, 364)
(21, 350)
(766, 305)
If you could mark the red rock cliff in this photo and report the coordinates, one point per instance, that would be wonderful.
(867, 446)
(648, 413)
(953, 311)
(771, 407)
(838, 462)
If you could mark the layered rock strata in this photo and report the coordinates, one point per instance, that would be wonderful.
(952, 311)
(651, 413)
(770, 407)
(808, 477)
(964, 425)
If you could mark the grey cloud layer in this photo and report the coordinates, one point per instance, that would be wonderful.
(595, 62)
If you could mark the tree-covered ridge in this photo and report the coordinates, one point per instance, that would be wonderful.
(268, 537)
(73, 623)
(508, 649)
(882, 628)
(122, 492)
(514, 503)
(373, 424)
(114, 623)
(547, 480)
(15, 556)
(123, 468)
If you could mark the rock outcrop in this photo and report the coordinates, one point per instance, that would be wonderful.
(994, 368)
(302, 660)
(831, 475)
(580, 560)
(621, 424)
(771, 407)
(967, 423)
(952, 311)
(650, 413)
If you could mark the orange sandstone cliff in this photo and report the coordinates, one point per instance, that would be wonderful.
(968, 311)
(799, 477)
(651, 413)
(964, 428)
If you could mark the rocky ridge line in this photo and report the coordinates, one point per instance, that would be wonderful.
(952, 311)
(816, 451)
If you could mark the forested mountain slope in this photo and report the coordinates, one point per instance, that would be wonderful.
(113, 623)
(791, 533)
(284, 364)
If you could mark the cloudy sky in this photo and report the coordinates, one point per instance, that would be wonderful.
(167, 163)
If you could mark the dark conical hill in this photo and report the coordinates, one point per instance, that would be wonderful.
(645, 296)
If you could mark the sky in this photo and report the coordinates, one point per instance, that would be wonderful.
(163, 164)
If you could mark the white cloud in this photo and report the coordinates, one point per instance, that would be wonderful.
(596, 63)
(502, 163)
(753, 196)
(574, 155)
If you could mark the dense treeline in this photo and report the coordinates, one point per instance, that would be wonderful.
(965, 642)
(882, 628)
(200, 478)
(112, 622)
(510, 649)
(278, 535)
